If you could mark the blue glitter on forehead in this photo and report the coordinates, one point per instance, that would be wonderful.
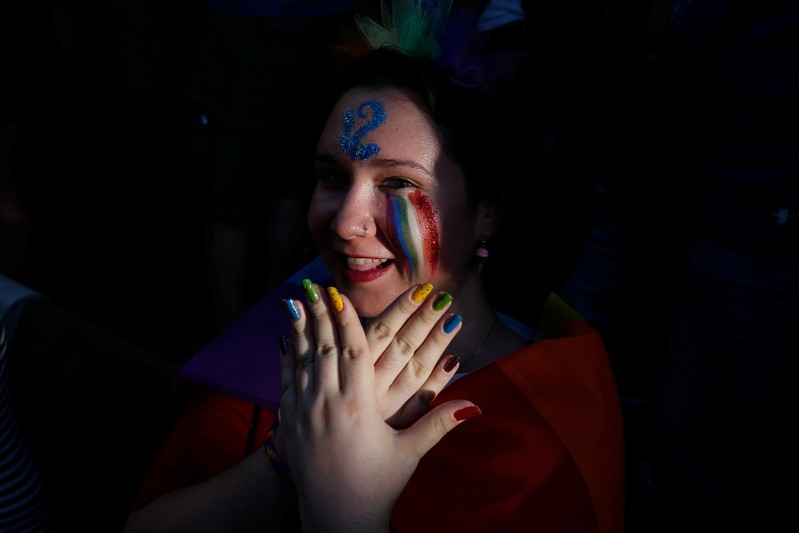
(351, 141)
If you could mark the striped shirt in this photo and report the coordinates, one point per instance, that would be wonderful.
(22, 503)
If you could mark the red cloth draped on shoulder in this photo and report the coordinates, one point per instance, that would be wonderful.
(547, 454)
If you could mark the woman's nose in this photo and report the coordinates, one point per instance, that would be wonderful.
(355, 217)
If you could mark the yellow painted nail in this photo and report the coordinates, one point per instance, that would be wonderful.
(421, 292)
(335, 297)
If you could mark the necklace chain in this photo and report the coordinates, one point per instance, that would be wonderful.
(485, 339)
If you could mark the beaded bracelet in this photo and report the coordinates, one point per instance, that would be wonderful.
(271, 454)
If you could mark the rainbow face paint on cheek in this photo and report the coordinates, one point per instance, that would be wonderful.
(428, 224)
(412, 226)
(352, 142)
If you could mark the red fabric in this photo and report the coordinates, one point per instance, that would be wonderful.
(546, 455)
(210, 437)
(571, 383)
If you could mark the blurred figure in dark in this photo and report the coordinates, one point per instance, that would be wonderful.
(258, 64)
(691, 270)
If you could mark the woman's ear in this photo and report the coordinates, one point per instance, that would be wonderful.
(490, 213)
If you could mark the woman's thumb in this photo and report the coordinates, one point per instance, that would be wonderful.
(431, 428)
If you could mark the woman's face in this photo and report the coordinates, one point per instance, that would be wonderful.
(390, 208)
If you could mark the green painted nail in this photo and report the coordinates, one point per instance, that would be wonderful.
(310, 291)
(443, 299)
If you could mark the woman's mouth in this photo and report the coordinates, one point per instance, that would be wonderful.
(366, 263)
(363, 270)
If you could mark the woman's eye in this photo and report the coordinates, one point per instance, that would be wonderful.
(397, 183)
(331, 179)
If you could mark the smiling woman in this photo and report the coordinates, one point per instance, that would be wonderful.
(399, 345)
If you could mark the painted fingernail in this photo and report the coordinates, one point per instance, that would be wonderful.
(452, 322)
(452, 362)
(291, 309)
(284, 348)
(335, 297)
(467, 412)
(443, 299)
(310, 291)
(421, 292)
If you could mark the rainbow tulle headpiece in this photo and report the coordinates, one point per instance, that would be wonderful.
(412, 26)
(427, 29)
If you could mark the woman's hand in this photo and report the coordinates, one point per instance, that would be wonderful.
(406, 342)
(348, 464)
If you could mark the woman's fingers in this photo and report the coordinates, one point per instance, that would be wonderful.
(425, 356)
(302, 344)
(331, 350)
(418, 403)
(383, 329)
(397, 389)
(339, 339)
(410, 359)
(288, 394)
(356, 370)
(402, 334)
(326, 333)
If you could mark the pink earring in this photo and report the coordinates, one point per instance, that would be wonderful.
(482, 253)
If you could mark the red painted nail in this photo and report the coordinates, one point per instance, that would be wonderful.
(452, 360)
(467, 412)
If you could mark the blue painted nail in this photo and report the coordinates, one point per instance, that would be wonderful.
(452, 323)
(291, 308)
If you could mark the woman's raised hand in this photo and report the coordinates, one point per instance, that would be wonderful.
(406, 342)
(341, 388)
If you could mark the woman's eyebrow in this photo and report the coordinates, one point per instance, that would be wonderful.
(391, 163)
(376, 161)
(325, 158)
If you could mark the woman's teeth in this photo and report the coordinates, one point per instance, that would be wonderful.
(365, 262)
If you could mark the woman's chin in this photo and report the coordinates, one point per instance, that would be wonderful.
(368, 306)
(370, 303)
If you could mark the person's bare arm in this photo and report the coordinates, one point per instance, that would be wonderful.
(249, 496)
